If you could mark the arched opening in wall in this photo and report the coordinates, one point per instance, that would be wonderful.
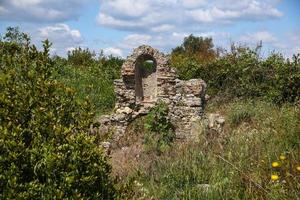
(145, 79)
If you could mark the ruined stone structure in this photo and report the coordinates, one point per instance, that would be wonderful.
(141, 88)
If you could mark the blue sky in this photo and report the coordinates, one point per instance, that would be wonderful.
(118, 26)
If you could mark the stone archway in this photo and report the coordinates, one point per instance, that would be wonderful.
(144, 87)
(145, 79)
(140, 89)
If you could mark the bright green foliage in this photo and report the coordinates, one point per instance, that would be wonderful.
(159, 130)
(187, 67)
(243, 73)
(90, 77)
(89, 83)
(81, 57)
(285, 83)
(45, 152)
(111, 67)
(191, 55)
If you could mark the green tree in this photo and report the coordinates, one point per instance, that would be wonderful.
(14, 35)
(198, 47)
(81, 57)
(192, 56)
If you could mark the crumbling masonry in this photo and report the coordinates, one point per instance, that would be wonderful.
(140, 89)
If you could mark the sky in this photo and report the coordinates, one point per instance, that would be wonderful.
(118, 26)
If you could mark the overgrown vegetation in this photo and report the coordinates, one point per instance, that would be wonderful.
(90, 76)
(48, 103)
(159, 132)
(45, 151)
(241, 72)
(257, 156)
(238, 164)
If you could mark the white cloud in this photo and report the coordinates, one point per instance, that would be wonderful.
(294, 44)
(264, 36)
(113, 51)
(163, 28)
(214, 15)
(41, 10)
(288, 45)
(63, 37)
(3, 10)
(164, 42)
(193, 3)
(135, 40)
(62, 32)
(24, 3)
(164, 24)
(159, 15)
(110, 21)
(126, 8)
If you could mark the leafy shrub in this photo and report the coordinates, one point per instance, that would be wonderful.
(111, 67)
(242, 73)
(91, 78)
(89, 83)
(45, 152)
(81, 57)
(159, 130)
(285, 83)
(186, 67)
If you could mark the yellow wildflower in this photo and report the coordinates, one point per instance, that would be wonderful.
(274, 177)
(298, 168)
(275, 164)
(282, 157)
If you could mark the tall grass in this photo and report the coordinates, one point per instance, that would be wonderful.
(236, 164)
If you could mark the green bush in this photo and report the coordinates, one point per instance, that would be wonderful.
(79, 57)
(159, 131)
(243, 73)
(111, 67)
(90, 77)
(89, 83)
(45, 152)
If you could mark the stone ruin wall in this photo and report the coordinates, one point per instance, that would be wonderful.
(137, 93)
